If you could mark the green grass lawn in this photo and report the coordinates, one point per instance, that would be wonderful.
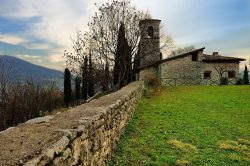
(203, 125)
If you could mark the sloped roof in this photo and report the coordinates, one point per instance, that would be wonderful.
(172, 58)
(182, 55)
(219, 58)
(207, 58)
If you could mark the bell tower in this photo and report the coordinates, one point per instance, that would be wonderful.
(150, 41)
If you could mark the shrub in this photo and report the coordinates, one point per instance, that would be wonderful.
(239, 82)
(224, 81)
(152, 82)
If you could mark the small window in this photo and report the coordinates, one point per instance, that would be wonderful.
(150, 31)
(194, 57)
(231, 74)
(207, 74)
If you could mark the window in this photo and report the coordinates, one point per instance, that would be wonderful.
(194, 57)
(207, 74)
(231, 74)
(150, 31)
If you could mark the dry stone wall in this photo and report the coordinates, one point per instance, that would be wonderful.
(85, 135)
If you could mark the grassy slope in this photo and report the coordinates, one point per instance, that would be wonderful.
(189, 125)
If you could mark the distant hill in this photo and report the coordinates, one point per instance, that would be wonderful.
(23, 70)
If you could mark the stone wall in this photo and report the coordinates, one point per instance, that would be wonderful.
(215, 77)
(149, 45)
(85, 135)
(184, 71)
(181, 71)
(148, 72)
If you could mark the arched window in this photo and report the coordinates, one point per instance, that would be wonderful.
(150, 31)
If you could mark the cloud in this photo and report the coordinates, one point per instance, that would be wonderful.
(51, 61)
(38, 46)
(32, 58)
(12, 39)
(189, 22)
(59, 18)
(58, 21)
(56, 57)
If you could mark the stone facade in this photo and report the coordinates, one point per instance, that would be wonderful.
(86, 135)
(191, 68)
(215, 77)
(150, 41)
(181, 71)
(185, 71)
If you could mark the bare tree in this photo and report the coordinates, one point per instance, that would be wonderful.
(6, 70)
(167, 44)
(180, 50)
(30, 99)
(101, 38)
(222, 68)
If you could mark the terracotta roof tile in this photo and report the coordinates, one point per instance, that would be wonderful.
(219, 58)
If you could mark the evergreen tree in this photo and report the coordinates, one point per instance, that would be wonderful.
(136, 64)
(91, 91)
(105, 87)
(128, 59)
(122, 66)
(117, 68)
(77, 89)
(85, 79)
(245, 78)
(67, 87)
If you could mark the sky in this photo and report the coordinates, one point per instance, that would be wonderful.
(40, 30)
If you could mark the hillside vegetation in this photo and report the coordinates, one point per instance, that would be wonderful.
(189, 126)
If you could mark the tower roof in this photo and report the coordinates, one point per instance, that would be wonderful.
(148, 20)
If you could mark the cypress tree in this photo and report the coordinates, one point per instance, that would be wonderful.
(122, 66)
(118, 57)
(85, 79)
(77, 90)
(136, 64)
(128, 69)
(91, 91)
(245, 78)
(67, 87)
(105, 87)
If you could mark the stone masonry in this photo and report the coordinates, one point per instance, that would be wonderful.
(182, 71)
(85, 135)
(150, 41)
(191, 68)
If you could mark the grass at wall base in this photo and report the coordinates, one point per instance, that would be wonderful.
(199, 125)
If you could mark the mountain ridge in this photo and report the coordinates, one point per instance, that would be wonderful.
(23, 70)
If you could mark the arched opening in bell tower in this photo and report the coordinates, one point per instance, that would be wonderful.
(150, 32)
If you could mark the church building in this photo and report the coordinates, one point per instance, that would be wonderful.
(190, 68)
